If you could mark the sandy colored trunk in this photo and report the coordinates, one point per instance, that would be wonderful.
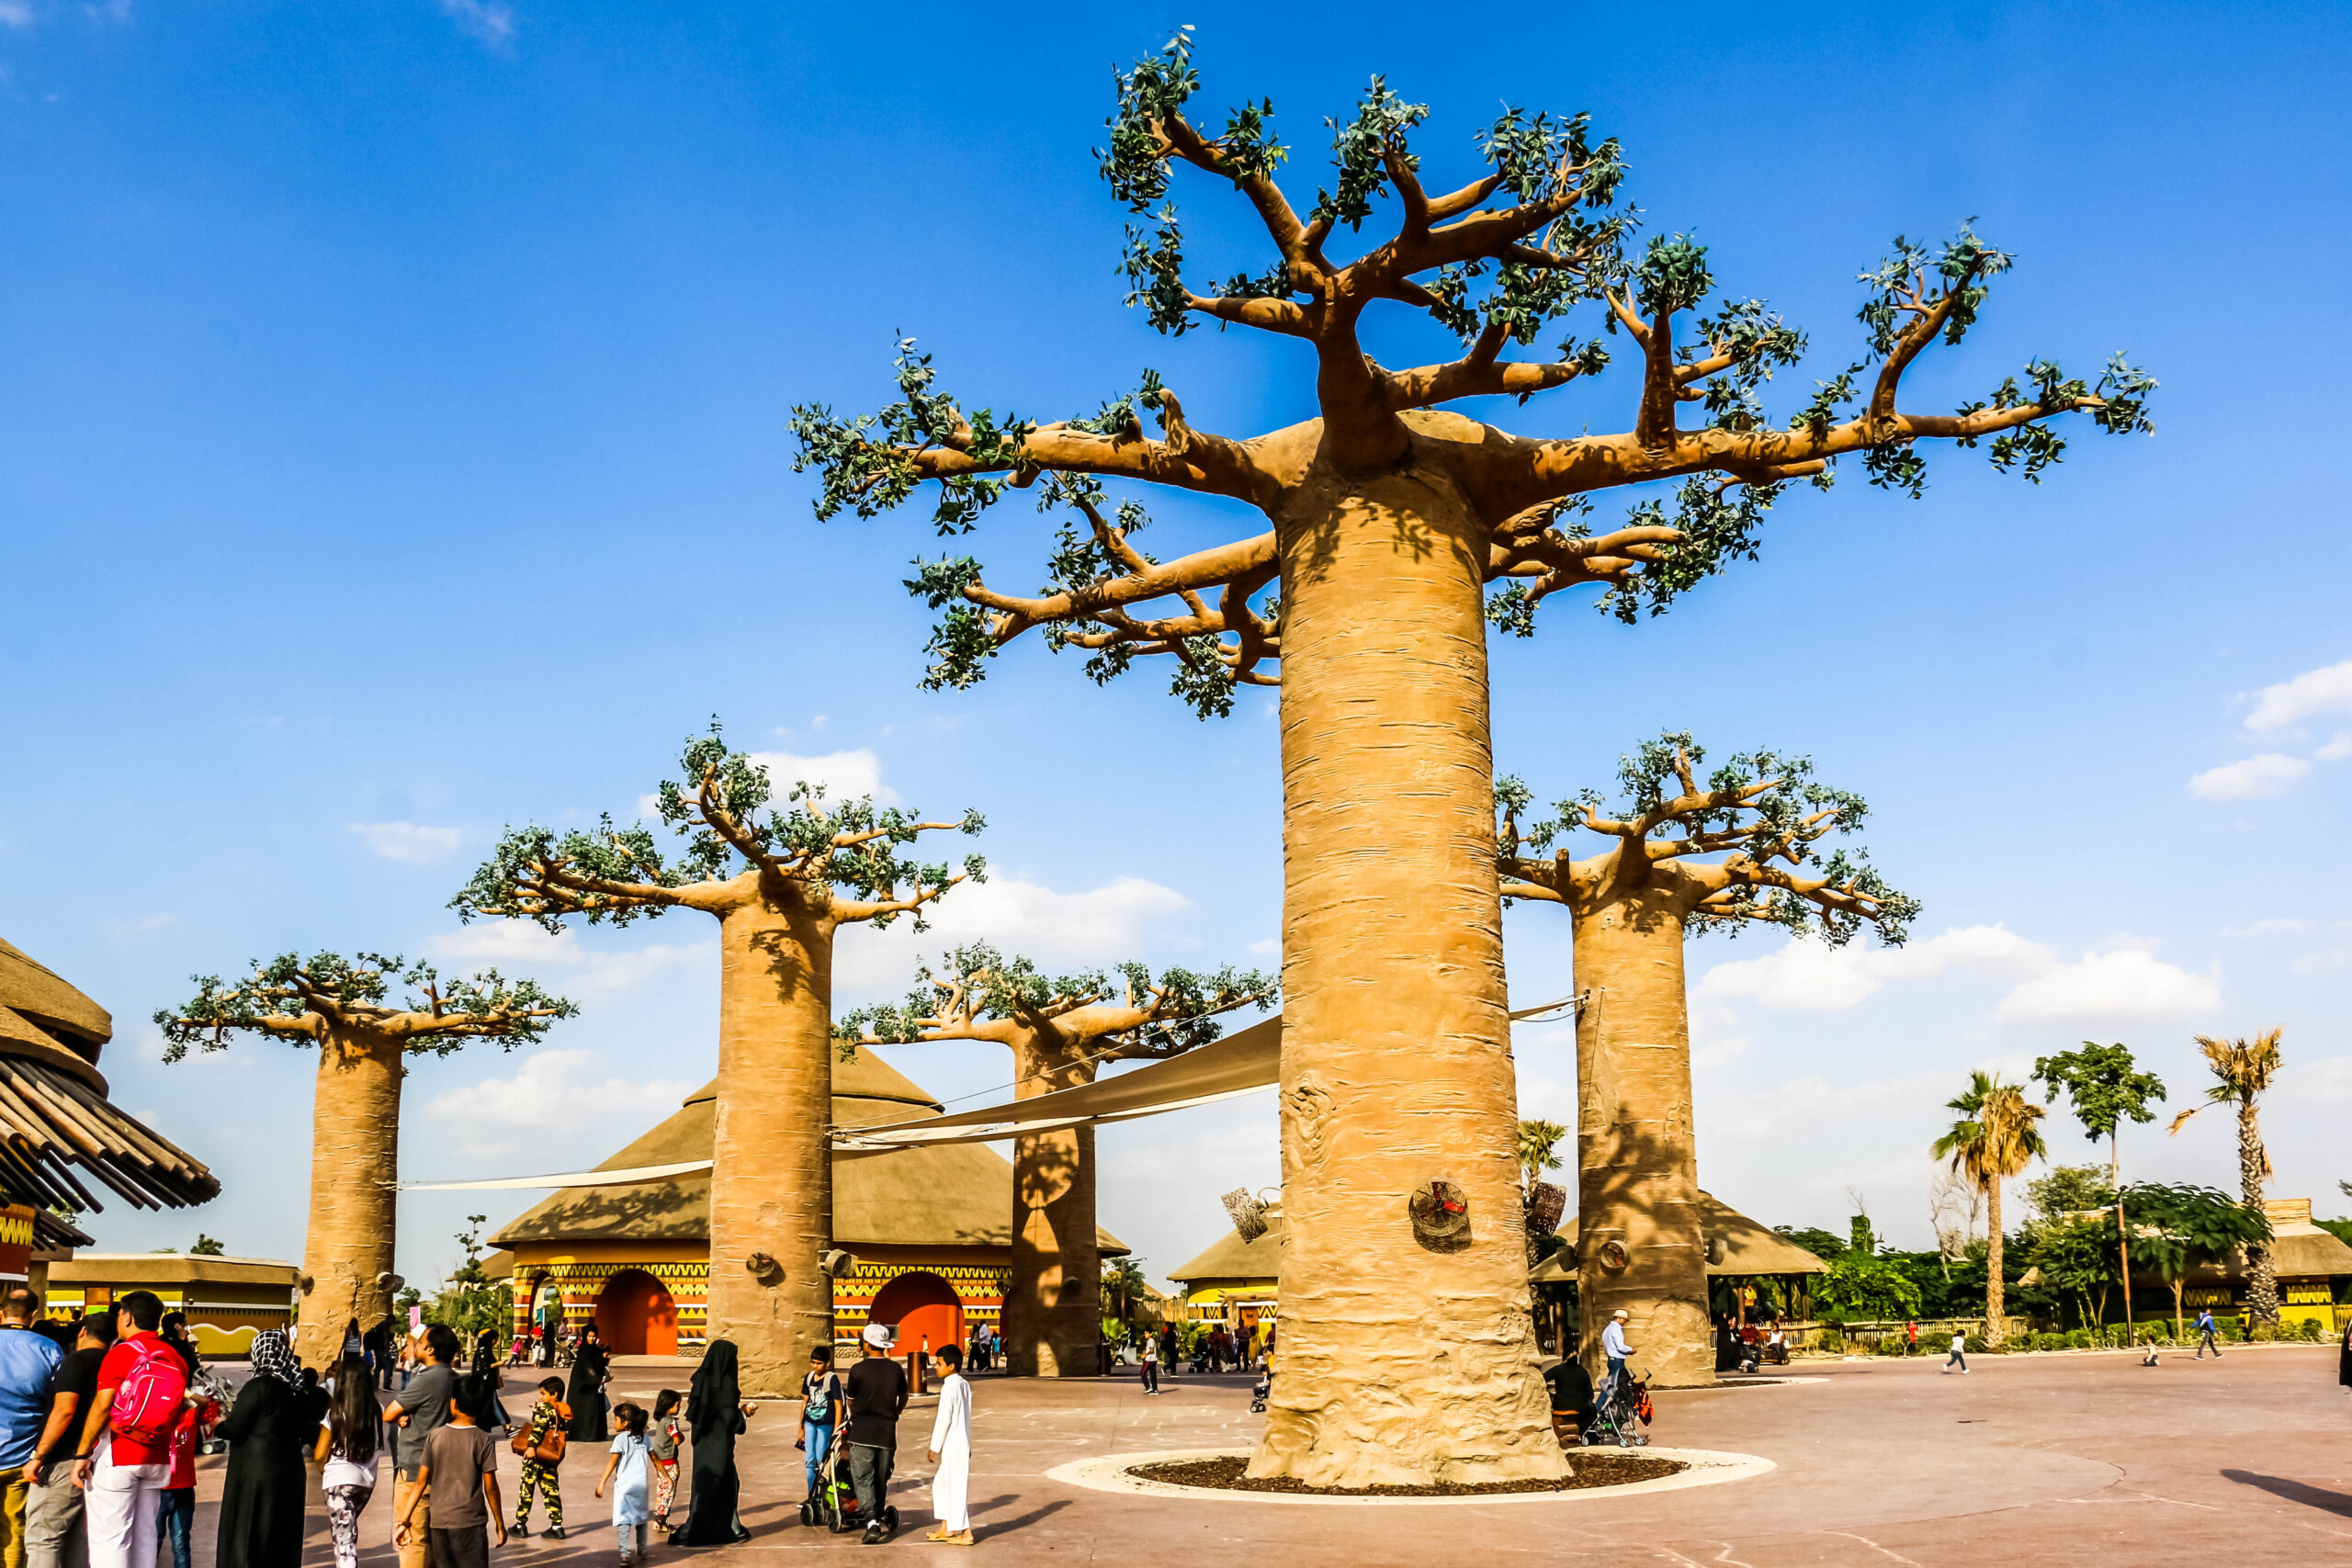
(2262, 1282)
(355, 1150)
(770, 1177)
(1400, 1361)
(1638, 1179)
(1053, 1301)
(1996, 1287)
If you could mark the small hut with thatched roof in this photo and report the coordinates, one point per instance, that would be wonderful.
(932, 1229)
(56, 1125)
(1234, 1283)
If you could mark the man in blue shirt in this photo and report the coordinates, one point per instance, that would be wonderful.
(2205, 1335)
(28, 1360)
(1612, 1342)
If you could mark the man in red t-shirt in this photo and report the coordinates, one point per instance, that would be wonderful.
(122, 1480)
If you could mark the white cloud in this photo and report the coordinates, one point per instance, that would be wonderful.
(845, 774)
(16, 14)
(2121, 983)
(2335, 750)
(2313, 692)
(552, 1094)
(1810, 977)
(2328, 1078)
(523, 949)
(484, 21)
(1792, 1104)
(1101, 925)
(1270, 948)
(406, 840)
(2269, 928)
(2251, 778)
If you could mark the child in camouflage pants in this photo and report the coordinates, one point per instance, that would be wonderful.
(538, 1476)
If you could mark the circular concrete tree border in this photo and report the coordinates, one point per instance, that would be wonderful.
(1707, 1467)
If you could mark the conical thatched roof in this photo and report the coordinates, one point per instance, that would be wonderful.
(1230, 1257)
(1749, 1248)
(54, 1116)
(955, 1195)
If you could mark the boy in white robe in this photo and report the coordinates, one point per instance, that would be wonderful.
(951, 1451)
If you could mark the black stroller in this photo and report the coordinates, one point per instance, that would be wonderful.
(1619, 1411)
(834, 1502)
(1260, 1389)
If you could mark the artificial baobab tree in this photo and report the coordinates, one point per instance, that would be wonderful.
(782, 878)
(1389, 511)
(1680, 855)
(345, 1007)
(1998, 1136)
(2242, 1073)
(1060, 1030)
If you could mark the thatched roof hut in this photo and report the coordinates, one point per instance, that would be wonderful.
(1231, 1262)
(55, 1119)
(1749, 1250)
(950, 1195)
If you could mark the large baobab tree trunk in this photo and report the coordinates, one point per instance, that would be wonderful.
(2262, 1282)
(771, 1175)
(1638, 1170)
(1400, 1361)
(354, 1154)
(1053, 1303)
(1996, 1306)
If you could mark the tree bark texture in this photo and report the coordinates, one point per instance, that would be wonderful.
(1638, 1164)
(771, 1177)
(354, 1153)
(2262, 1282)
(1400, 1359)
(1053, 1301)
(1995, 1285)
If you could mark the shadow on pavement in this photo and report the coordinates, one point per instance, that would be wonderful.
(2294, 1491)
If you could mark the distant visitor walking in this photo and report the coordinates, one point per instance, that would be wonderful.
(2205, 1335)
(951, 1451)
(1958, 1357)
(877, 1395)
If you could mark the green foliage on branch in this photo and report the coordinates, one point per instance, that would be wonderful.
(726, 812)
(2104, 1085)
(328, 986)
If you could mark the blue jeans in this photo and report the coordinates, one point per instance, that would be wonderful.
(1616, 1365)
(821, 1442)
(174, 1520)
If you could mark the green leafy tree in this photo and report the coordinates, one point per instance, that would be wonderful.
(205, 1247)
(1390, 510)
(346, 1008)
(471, 1301)
(2242, 1071)
(1125, 1293)
(781, 877)
(1741, 845)
(1865, 1285)
(2182, 1226)
(2077, 1258)
(1060, 1029)
(1827, 1245)
(2107, 1090)
(1998, 1136)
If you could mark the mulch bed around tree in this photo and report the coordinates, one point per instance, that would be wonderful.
(1588, 1470)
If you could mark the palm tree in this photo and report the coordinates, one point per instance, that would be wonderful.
(1995, 1138)
(1539, 1149)
(2242, 1071)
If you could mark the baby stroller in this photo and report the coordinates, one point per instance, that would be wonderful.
(1619, 1411)
(834, 1502)
(1259, 1391)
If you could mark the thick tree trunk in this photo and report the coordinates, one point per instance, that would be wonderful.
(355, 1151)
(1638, 1179)
(2262, 1282)
(1996, 1286)
(1053, 1301)
(1401, 1360)
(771, 1177)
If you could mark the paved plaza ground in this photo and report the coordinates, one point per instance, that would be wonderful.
(2049, 1459)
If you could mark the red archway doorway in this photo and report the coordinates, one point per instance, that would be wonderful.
(922, 1307)
(635, 1316)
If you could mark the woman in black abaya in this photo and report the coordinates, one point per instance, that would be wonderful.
(592, 1364)
(269, 1431)
(715, 1409)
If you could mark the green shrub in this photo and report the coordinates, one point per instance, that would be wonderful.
(1976, 1346)
(1829, 1342)
(2308, 1330)
(1889, 1345)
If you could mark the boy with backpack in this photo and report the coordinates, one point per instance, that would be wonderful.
(541, 1443)
(821, 1413)
(123, 1463)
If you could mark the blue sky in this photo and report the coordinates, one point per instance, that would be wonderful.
(393, 446)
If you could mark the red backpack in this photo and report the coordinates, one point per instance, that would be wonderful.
(148, 1401)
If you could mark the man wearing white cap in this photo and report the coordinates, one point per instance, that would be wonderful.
(1612, 1341)
(877, 1395)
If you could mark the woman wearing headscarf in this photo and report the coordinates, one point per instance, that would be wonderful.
(591, 1365)
(269, 1431)
(715, 1410)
